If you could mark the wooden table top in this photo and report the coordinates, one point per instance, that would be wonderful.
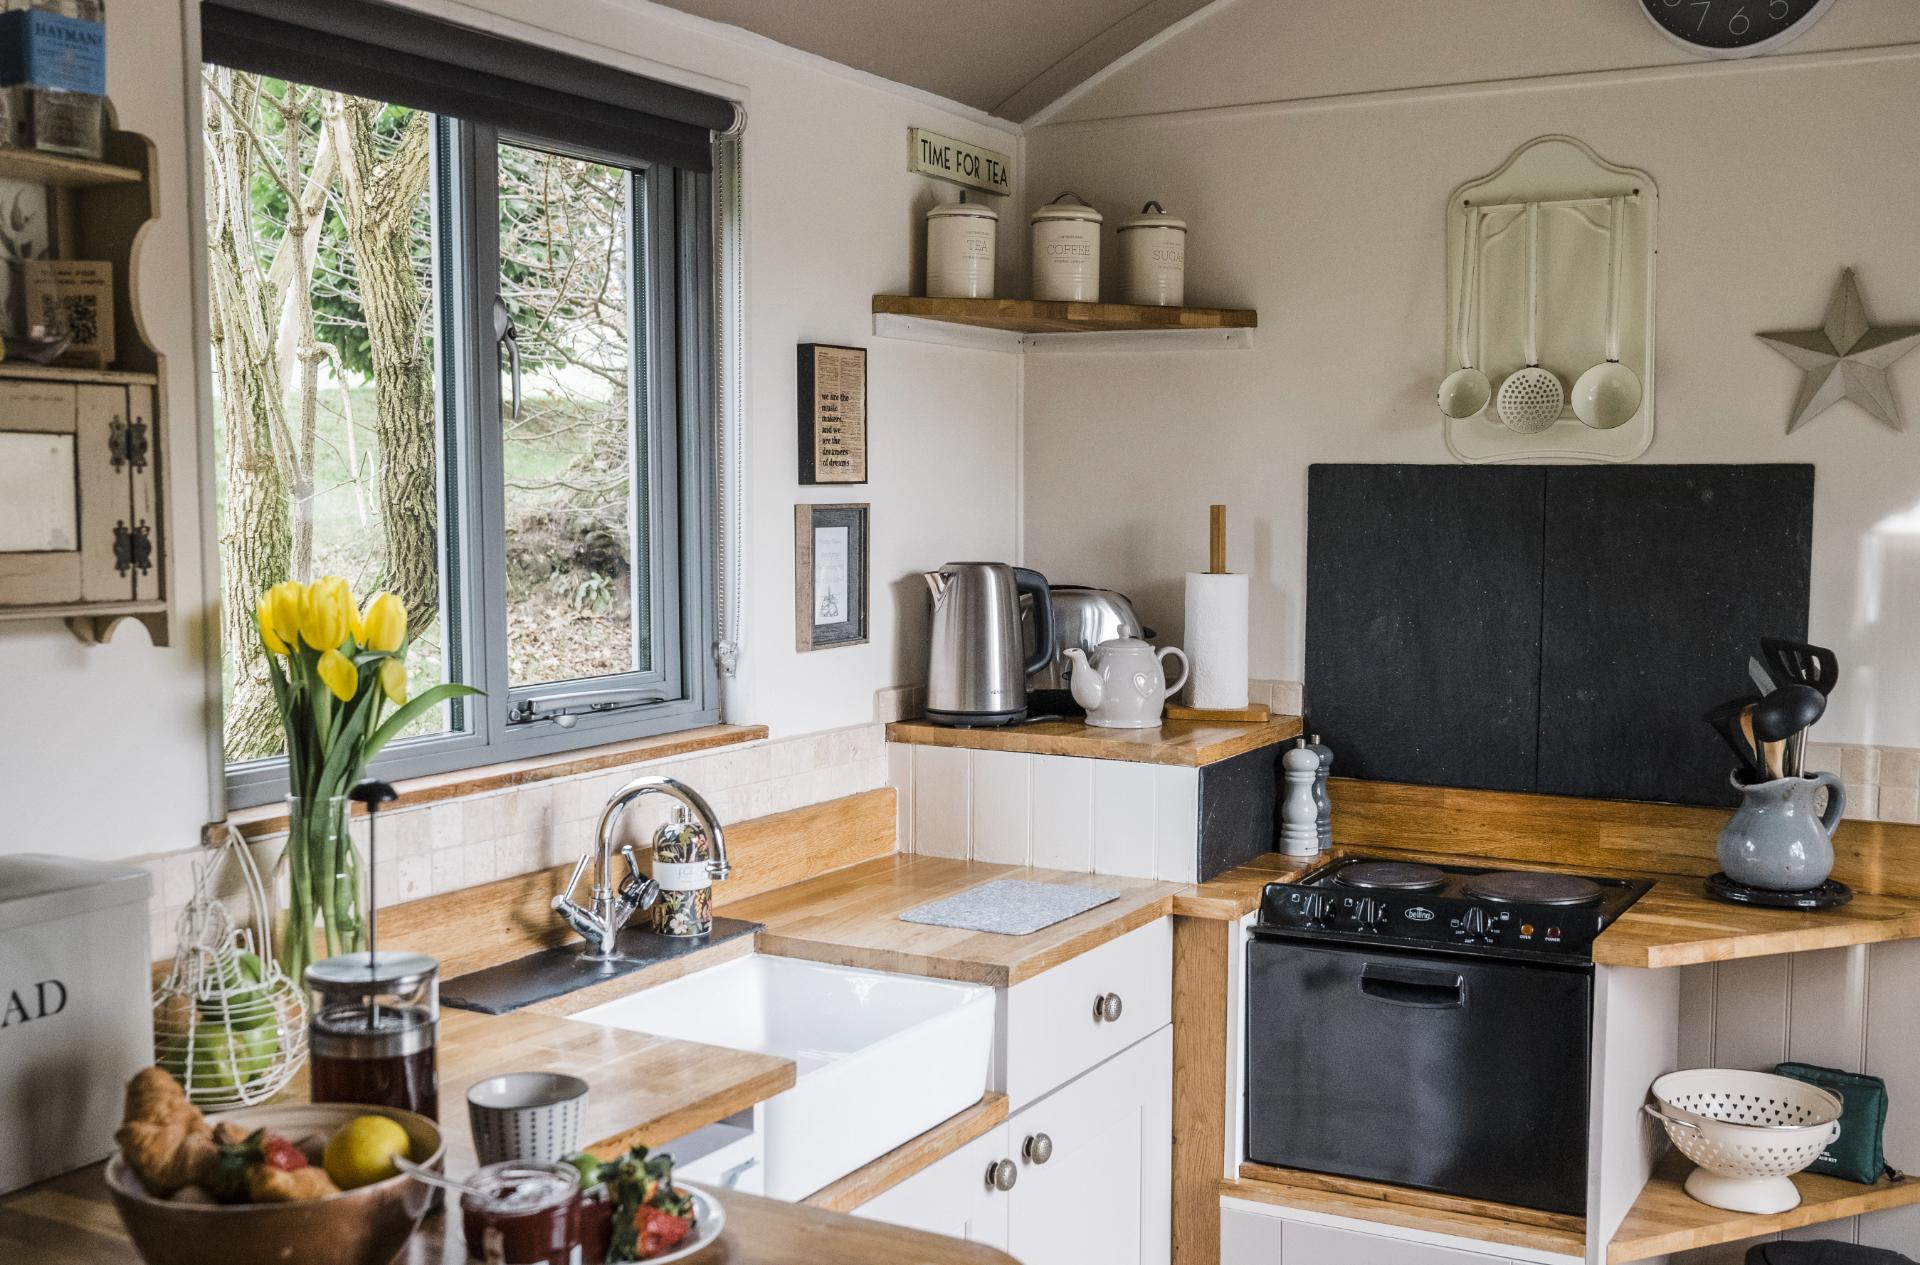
(851, 917)
(69, 1220)
(1192, 743)
(1675, 924)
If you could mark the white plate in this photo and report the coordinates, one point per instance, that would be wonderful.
(709, 1218)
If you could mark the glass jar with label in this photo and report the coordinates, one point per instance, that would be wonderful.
(374, 1026)
(522, 1213)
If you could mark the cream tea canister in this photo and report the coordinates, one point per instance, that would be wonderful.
(1066, 251)
(960, 250)
(1153, 258)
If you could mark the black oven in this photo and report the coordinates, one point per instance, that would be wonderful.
(1448, 1071)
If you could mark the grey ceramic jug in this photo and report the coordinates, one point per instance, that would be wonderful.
(1775, 839)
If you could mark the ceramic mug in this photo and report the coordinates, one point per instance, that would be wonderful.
(1774, 840)
(526, 1116)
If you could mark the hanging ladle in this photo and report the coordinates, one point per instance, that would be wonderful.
(1465, 391)
(1608, 395)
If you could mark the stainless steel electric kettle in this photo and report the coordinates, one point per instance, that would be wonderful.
(977, 666)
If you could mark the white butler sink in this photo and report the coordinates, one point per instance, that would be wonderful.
(879, 1058)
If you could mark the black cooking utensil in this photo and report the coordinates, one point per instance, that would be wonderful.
(1725, 720)
(1797, 661)
(1786, 715)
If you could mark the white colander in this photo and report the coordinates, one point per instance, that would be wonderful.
(1749, 1133)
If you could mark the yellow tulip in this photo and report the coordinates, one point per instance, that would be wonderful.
(338, 674)
(322, 626)
(385, 624)
(263, 616)
(336, 589)
(393, 679)
(283, 603)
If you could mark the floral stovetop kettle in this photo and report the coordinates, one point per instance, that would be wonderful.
(1123, 686)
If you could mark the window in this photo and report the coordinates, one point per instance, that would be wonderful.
(466, 364)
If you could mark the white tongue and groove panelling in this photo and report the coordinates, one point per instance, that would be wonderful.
(1855, 1009)
(1057, 812)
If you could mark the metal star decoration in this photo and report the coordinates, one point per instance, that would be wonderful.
(1846, 358)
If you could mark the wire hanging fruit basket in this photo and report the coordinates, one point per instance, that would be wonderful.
(228, 1023)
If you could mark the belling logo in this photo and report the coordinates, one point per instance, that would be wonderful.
(35, 1001)
(1419, 913)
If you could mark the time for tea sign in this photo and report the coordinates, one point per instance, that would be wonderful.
(945, 158)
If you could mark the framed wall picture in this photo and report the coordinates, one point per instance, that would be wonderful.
(833, 414)
(829, 576)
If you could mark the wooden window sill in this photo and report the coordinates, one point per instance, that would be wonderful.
(268, 819)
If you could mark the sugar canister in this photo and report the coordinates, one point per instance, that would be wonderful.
(1153, 258)
(1066, 251)
(960, 250)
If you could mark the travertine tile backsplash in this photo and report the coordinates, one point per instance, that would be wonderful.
(460, 843)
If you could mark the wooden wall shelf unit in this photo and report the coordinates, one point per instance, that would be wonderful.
(100, 551)
(1034, 324)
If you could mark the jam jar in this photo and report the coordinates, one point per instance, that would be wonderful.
(524, 1213)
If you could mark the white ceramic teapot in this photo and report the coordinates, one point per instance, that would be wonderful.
(1124, 685)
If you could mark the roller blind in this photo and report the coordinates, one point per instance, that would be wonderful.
(393, 54)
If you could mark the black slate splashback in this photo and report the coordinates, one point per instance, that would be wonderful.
(1555, 629)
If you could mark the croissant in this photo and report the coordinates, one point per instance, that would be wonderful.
(163, 1136)
(270, 1185)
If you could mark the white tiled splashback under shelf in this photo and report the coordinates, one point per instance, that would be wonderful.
(1056, 812)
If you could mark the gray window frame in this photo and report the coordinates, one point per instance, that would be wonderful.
(677, 234)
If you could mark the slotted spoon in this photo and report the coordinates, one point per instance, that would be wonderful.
(1531, 398)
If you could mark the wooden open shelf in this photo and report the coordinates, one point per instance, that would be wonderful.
(62, 170)
(1476, 1219)
(1665, 1219)
(1035, 316)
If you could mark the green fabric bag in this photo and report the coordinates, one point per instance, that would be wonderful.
(1855, 1155)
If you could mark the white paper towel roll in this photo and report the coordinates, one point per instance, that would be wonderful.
(1217, 640)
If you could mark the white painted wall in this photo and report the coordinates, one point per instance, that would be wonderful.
(1312, 146)
(105, 751)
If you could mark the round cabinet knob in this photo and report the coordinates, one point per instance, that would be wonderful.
(1107, 1007)
(1037, 1149)
(1002, 1174)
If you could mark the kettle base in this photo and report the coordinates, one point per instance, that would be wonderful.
(976, 720)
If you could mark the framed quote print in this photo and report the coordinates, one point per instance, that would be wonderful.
(833, 414)
(829, 576)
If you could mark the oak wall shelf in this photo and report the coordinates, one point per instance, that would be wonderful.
(63, 171)
(1018, 325)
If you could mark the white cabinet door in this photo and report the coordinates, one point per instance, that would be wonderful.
(1303, 1244)
(951, 1196)
(1102, 1195)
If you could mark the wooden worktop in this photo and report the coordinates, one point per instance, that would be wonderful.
(70, 1220)
(851, 917)
(1190, 743)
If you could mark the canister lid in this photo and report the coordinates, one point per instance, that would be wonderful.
(1152, 216)
(37, 886)
(972, 210)
(1059, 210)
(390, 970)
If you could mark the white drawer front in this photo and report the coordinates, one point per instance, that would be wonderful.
(1303, 1244)
(1051, 1032)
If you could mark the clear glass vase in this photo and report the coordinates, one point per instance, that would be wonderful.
(323, 884)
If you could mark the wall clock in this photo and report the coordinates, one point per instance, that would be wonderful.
(1734, 28)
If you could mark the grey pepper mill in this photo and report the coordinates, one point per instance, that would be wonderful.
(1322, 801)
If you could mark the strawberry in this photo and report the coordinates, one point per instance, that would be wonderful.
(277, 1152)
(659, 1231)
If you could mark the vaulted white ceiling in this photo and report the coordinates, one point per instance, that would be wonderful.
(1007, 57)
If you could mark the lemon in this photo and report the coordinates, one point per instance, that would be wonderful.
(363, 1151)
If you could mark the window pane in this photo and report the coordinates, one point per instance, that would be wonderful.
(321, 268)
(578, 603)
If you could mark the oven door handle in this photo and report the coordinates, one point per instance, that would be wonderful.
(1400, 985)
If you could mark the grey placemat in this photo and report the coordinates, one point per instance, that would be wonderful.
(1009, 906)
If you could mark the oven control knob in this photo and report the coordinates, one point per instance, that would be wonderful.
(1317, 908)
(1370, 914)
(1474, 922)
